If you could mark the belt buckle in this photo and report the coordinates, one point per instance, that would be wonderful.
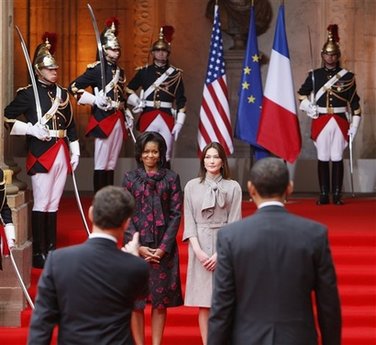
(60, 133)
(330, 110)
(157, 104)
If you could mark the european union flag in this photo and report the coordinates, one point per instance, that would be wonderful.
(250, 94)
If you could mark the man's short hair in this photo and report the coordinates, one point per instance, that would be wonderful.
(112, 206)
(270, 177)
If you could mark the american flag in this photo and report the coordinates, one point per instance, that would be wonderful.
(215, 123)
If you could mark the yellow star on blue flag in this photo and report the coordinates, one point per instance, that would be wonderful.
(250, 94)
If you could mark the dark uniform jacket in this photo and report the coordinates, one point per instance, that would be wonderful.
(101, 122)
(42, 153)
(170, 90)
(341, 95)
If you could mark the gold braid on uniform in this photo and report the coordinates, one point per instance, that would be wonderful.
(165, 85)
(336, 91)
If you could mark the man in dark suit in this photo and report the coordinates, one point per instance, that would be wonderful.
(268, 266)
(88, 290)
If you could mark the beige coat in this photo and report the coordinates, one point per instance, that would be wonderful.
(207, 207)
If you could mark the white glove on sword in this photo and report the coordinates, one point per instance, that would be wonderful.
(129, 120)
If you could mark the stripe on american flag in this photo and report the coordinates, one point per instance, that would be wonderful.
(215, 122)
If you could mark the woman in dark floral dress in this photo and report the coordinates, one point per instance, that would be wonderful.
(158, 197)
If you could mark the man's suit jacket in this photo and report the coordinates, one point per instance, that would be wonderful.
(88, 290)
(268, 266)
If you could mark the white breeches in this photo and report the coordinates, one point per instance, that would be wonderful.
(48, 187)
(159, 125)
(330, 143)
(107, 150)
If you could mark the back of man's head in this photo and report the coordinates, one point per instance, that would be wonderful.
(111, 207)
(270, 177)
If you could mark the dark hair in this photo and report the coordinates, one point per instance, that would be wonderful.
(225, 170)
(270, 177)
(112, 206)
(145, 138)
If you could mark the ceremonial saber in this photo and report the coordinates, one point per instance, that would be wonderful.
(79, 204)
(23, 287)
(313, 100)
(100, 48)
(351, 165)
(128, 114)
(132, 135)
(31, 73)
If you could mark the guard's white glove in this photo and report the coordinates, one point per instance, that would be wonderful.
(39, 131)
(129, 119)
(137, 103)
(353, 127)
(10, 235)
(101, 101)
(309, 108)
(74, 147)
(180, 118)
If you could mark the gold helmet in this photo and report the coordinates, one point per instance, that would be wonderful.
(109, 35)
(164, 40)
(43, 57)
(331, 46)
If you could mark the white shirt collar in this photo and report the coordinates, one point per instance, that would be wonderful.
(271, 203)
(101, 235)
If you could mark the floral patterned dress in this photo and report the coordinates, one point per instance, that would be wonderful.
(157, 216)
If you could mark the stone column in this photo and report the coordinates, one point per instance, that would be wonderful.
(12, 301)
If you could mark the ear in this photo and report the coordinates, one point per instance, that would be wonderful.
(290, 188)
(90, 213)
(251, 189)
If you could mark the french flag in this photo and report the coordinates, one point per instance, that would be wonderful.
(279, 130)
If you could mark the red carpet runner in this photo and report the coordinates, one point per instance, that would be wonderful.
(352, 233)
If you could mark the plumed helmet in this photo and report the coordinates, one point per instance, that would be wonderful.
(331, 45)
(43, 57)
(164, 40)
(109, 35)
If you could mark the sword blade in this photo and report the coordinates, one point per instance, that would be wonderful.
(79, 204)
(313, 100)
(31, 73)
(351, 165)
(100, 48)
(23, 287)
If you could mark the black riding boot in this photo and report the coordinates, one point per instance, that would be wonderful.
(100, 179)
(38, 227)
(51, 231)
(323, 173)
(110, 177)
(337, 180)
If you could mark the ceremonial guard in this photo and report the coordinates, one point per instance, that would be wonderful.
(329, 97)
(53, 148)
(7, 231)
(161, 102)
(107, 122)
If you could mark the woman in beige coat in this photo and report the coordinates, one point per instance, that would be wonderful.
(210, 201)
